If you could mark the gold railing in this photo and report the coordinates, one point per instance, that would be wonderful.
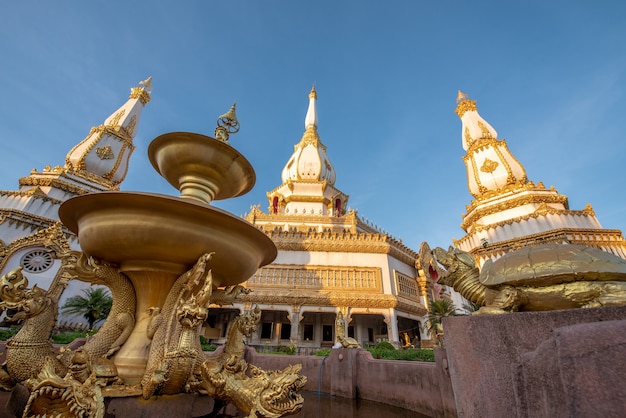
(406, 286)
(366, 279)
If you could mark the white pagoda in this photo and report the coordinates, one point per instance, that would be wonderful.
(509, 211)
(332, 269)
(30, 231)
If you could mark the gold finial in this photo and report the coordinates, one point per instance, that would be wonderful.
(463, 103)
(461, 96)
(142, 91)
(313, 93)
(227, 124)
(147, 84)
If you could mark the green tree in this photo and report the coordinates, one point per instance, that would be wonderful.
(437, 310)
(94, 305)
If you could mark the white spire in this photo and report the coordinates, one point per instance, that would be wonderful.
(310, 121)
(103, 155)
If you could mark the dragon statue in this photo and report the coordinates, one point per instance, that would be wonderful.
(537, 278)
(121, 318)
(32, 360)
(175, 351)
(77, 395)
(31, 347)
(75, 383)
(262, 393)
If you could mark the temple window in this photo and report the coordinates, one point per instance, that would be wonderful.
(308, 332)
(327, 333)
(266, 330)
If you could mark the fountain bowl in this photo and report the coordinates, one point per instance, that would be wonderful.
(200, 167)
(150, 232)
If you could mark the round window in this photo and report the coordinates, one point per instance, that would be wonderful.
(37, 261)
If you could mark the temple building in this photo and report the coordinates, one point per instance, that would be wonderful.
(31, 234)
(333, 270)
(509, 211)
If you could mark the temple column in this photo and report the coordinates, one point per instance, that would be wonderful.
(294, 319)
(391, 319)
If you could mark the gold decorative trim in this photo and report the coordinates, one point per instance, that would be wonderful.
(599, 238)
(105, 153)
(141, 94)
(52, 182)
(130, 128)
(334, 299)
(115, 120)
(406, 286)
(310, 137)
(489, 166)
(306, 199)
(53, 236)
(485, 132)
(465, 105)
(476, 213)
(318, 277)
(343, 242)
(550, 211)
(92, 178)
(468, 137)
(32, 193)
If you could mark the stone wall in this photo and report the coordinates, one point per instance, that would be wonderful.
(568, 363)
(350, 373)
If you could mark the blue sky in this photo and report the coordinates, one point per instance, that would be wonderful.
(549, 76)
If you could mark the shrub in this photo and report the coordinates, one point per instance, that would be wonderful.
(68, 337)
(323, 352)
(7, 333)
(406, 355)
(384, 345)
(286, 349)
(209, 347)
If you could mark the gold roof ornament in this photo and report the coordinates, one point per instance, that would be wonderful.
(463, 103)
(227, 124)
(147, 84)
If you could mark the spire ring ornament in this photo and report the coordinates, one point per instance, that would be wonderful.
(227, 124)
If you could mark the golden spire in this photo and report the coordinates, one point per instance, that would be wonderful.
(313, 93)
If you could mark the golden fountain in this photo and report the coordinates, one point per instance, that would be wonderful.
(165, 260)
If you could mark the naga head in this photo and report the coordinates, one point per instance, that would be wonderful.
(67, 397)
(15, 296)
(13, 286)
(247, 323)
(279, 396)
(455, 261)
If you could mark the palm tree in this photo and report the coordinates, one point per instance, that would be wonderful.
(437, 310)
(469, 308)
(94, 306)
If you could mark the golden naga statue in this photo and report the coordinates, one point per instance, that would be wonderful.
(263, 393)
(75, 383)
(537, 278)
(341, 340)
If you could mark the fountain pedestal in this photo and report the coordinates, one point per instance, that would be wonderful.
(153, 238)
